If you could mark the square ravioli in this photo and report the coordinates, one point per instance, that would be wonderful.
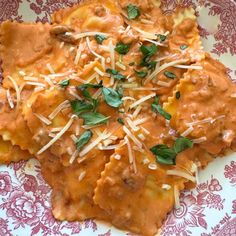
(198, 113)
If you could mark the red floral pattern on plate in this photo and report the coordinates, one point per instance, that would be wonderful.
(209, 210)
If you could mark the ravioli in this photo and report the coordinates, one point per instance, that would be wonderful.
(73, 187)
(11, 153)
(199, 106)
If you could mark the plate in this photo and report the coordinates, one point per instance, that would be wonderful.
(207, 210)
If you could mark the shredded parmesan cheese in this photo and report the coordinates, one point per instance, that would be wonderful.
(9, 99)
(98, 71)
(73, 156)
(35, 84)
(43, 119)
(187, 131)
(82, 175)
(60, 107)
(51, 70)
(163, 83)
(152, 166)
(176, 196)
(189, 67)
(199, 140)
(120, 65)
(16, 89)
(90, 146)
(154, 42)
(137, 111)
(181, 174)
(112, 54)
(131, 136)
(141, 121)
(141, 100)
(58, 135)
(131, 124)
(163, 67)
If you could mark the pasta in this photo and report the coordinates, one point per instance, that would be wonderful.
(119, 103)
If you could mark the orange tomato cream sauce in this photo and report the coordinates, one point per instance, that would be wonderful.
(119, 103)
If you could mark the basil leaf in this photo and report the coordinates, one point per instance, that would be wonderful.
(112, 97)
(83, 139)
(158, 109)
(94, 118)
(141, 74)
(115, 73)
(99, 38)
(177, 95)
(162, 37)
(183, 47)
(85, 86)
(133, 12)
(122, 48)
(165, 161)
(149, 50)
(79, 107)
(64, 83)
(121, 121)
(164, 154)
(169, 75)
(182, 144)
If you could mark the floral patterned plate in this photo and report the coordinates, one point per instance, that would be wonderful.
(208, 210)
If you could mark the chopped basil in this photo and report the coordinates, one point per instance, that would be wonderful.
(158, 109)
(133, 12)
(177, 95)
(64, 83)
(162, 37)
(115, 74)
(83, 139)
(166, 155)
(99, 38)
(169, 74)
(94, 118)
(182, 144)
(183, 47)
(122, 48)
(131, 63)
(112, 97)
(85, 86)
(141, 74)
(149, 50)
(79, 107)
(121, 121)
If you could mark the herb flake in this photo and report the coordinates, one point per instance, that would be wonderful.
(177, 95)
(83, 139)
(94, 118)
(169, 74)
(183, 47)
(116, 74)
(99, 38)
(64, 83)
(122, 48)
(133, 12)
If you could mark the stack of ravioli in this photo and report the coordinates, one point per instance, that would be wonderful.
(119, 103)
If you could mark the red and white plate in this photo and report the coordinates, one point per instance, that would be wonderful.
(208, 210)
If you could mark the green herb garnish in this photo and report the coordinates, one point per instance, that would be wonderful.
(112, 97)
(177, 95)
(141, 74)
(121, 121)
(133, 12)
(115, 73)
(99, 38)
(161, 111)
(79, 107)
(162, 37)
(85, 86)
(169, 74)
(122, 48)
(83, 139)
(149, 50)
(94, 118)
(166, 155)
(183, 47)
(64, 83)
